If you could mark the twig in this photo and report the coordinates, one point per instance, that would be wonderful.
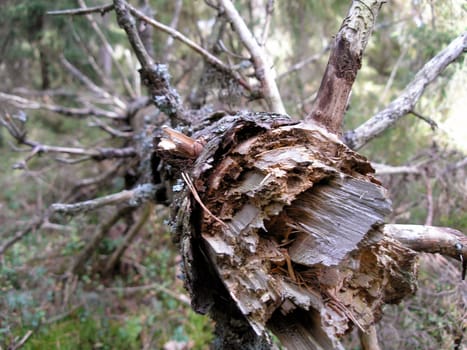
(134, 198)
(430, 239)
(87, 251)
(83, 11)
(173, 25)
(21, 343)
(433, 124)
(157, 286)
(408, 98)
(24, 103)
(155, 76)
(91, 59)
(267, 22)
(262, 70)
(110, 50)
(343, 65)
(195, 194)
(90, 84)
(129, 237)
(460, 164)
(384, 169)
(394, 70)
(110, 130)
(34, 226)
(429, 200)
(299, 65)
(216, 62)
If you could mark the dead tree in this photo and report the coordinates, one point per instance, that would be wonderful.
(280, 223)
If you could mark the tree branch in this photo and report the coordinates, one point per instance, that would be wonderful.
(24, 103)
(102, 10)
(109, 49)
(405, 103)
(262, 70)
(129, 237)
(430, 239)
(216, 62)
(100, 233)
(134, 197)
(344, 62)
(155, 76)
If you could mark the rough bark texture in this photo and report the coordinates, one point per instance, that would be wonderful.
(282, 222)
(344, 62)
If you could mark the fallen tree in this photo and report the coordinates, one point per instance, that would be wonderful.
(280, 223)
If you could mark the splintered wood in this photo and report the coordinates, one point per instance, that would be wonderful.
(290, 222)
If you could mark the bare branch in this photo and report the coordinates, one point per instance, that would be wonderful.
(267, 22)
(112, 131)
(197, 48)
(89, 83)
(299, 65)
(384, 169)
(129, 237)
(83, 11)
(405, 103)
(32, 227)
(173, 25)
(431, 122)
(155, 76)
(100, 233)
(344, 62)
(21, 342)
(24, 103)
(262, 69)
(109, 49)
(134, 197)
(156, 286)
(430, 239)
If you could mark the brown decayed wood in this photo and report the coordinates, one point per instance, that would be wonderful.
(293, 228)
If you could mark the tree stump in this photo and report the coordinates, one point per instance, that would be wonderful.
(280, 227)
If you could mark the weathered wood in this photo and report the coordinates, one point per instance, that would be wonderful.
(285, 221)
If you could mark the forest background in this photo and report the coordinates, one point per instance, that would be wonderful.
(136, 301)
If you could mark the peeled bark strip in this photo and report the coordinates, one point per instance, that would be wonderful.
(289, 231)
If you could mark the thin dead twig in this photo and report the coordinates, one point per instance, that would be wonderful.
(24, 103)
(32, 227)
(195, 194)
(129, 237)
(267, 22)
(109, 49)
(431, 122)
(102, 10)
(21, 342)
(262, 68)
(74, 71)
(99, 235)
(134, 198)
(156, 286)
(216, 62)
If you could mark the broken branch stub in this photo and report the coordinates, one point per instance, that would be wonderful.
(290, 230)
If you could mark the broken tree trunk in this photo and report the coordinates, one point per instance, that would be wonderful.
(280, 227)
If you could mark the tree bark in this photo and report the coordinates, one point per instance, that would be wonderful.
(288, 221)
